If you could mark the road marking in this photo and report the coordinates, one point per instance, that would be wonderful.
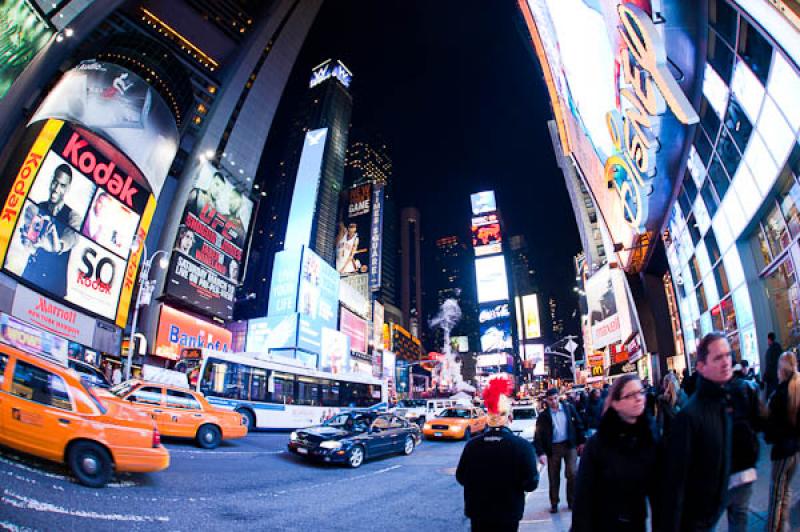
(11, 527)
(26, 503)
(25, 467)
(198, 451)
(534, 521)
(318, 485)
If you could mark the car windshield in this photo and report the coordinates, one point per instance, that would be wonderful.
(353, 422)
(454, 412)
(411, 403)
(524, 413)
(123, 388)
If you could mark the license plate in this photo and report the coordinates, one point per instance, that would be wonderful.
(302, 450)
(437, 433)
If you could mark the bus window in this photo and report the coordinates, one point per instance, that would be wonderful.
(330, 393)
(283, 391)
(258, 385)
(307, 391)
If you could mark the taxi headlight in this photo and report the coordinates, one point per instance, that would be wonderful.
(331, 445)
(293, 436)
(427, 426)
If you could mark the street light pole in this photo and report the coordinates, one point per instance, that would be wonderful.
(144, 284)
(571, 356)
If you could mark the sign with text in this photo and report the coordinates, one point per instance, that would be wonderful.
(49, 315)
(32, 339)
(178, 330)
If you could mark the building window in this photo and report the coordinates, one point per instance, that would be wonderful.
(755, 50)
(722, 17)
(720, 56)
(784, 298)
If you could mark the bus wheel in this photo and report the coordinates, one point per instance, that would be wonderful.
(249, 419)
(208, 437)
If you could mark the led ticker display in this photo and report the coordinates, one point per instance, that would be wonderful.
(490, 273)
(71, 218)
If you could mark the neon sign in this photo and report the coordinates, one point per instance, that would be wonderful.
(649, 90)
(327, 70)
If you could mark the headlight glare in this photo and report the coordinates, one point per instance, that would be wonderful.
(331, 445)
(293, 436)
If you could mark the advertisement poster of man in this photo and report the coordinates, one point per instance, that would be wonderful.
(49, 227)
(216, 202)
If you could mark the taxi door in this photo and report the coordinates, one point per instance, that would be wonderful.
(183, 414)
(149, 399)
(37, 412)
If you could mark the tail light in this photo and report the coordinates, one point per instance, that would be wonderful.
(156, 438)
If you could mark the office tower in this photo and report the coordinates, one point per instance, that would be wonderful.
(411, 269)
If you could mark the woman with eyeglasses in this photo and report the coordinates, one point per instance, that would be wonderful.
(617, 473)
(783, 432)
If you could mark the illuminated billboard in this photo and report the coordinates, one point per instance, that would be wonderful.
(356, 329)
(304, 197)
(490, 274)
(483, 202)
(352, 240)
(208, 257)
(376, 238)
(71, 217)
(459, 344)
(335, 353)
(533, 355)
(178, 330)
(496, 335)
(330, 69)
(606, 297)
(530, 320)
(108, 98)
(24, 33)
(486, 239)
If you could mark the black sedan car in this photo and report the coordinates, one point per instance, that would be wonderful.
(351, 437)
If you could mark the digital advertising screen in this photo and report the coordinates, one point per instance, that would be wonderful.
(483, 202)
(178, 330)
(601, 298)
(318, 292)
(208, 256)
(534, 357)
(71, 217)
(487, 239)
(272, 332)
(108, 98)
(496, 336)
(490, 274)
(356, 329)
(376, 239)
(353, 238)
(530, 321)
(304, 198)
(459, 344)
(335, 354)
(24, 33)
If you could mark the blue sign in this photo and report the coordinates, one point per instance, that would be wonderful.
(285, 282)
(309, 334)
(318, 296)
(304, 199)
(376, 240)
(329, 69)
(273, 332)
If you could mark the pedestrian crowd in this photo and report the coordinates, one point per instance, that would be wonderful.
(678, 458)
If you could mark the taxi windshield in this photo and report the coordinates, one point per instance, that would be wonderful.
(454, 412)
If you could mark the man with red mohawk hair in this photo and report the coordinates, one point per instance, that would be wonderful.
(497, 467)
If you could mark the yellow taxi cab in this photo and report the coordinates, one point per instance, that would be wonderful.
(459, 422)
(47, 411)
(181, 412)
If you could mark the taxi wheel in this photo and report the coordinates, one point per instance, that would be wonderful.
(249, 419)
(408, 447)
(356, 457)
(90, 463)
(467, 434)
(208, 437)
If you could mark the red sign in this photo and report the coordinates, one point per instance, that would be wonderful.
(178, 331)
(356, 329)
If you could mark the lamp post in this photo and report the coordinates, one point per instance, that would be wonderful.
(571, 347)
(146, 286)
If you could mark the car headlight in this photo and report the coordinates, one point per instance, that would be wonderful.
(293, 436)
(427, 426)
(331, 445)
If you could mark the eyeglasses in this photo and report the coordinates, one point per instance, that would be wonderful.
(638, 393)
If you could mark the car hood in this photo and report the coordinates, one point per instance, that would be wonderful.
(451, 420)
(324, 432)
(522, 424)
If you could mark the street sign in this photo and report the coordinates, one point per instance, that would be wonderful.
(571, 346)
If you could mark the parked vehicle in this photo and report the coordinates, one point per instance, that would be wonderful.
(456, 423)
(46, 410)
(181, 413)
(90, 374)
(352, 437)
(419, 410)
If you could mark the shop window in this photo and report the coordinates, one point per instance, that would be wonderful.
(709, 120)
(747, 90)
(706, 324)
(722, 17)
(755, 50)
(718, 177)
(727, 152)
(728, 315)
(789, 200)
(713, 249)
(700, 294)
(720, 56)
(716, 318)
(736, 348)
(739, 126)
(763, 246)
(776, 233)
(709, 199)
(721, 278)
(702, 146)
(741, 303)
(784, 298)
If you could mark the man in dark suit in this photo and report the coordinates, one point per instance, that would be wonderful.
(560, 434)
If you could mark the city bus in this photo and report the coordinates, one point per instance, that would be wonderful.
(275, 392)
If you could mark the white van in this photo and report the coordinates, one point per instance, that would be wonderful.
(418, 410)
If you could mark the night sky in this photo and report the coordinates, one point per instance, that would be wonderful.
(459, 98)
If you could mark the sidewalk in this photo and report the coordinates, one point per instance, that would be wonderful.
(537, 515)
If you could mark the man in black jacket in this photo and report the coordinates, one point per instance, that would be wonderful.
(770, 375)
(698, 449)
(560, 435)
(497, 468)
